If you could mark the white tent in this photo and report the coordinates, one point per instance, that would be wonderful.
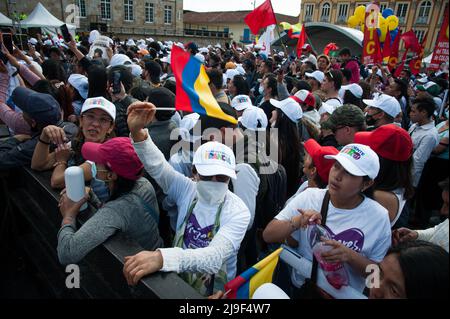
(4, 20)
(41, 18)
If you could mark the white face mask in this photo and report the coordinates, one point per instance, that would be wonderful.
(261, 89)
(211, 193)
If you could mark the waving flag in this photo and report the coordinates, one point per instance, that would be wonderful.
(193, 92)
(244, 285)
(416, 63)
(393, 57)
(387, 47)
(293, 30)
(261, 17)
(301, 41)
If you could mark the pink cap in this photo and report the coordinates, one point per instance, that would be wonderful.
(118, 154)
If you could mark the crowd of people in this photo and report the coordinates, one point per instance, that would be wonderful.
(316, 131)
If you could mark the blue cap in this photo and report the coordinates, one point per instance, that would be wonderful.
(43, 108)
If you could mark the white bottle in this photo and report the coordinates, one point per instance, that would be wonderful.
(74, 179)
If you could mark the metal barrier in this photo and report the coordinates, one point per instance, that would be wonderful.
(30, 196)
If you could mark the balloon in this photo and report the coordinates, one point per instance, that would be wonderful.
(382, 35)
(360, 13)
(353, 22)
(394, 34)
(387, 12)
(362, 28)
(392, 22)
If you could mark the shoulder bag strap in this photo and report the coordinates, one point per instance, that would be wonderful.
(324, 213)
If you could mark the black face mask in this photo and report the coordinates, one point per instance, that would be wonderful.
(370, 120)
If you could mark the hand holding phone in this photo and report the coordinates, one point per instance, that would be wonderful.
(65, 33)
(116, 83)
(8, 42)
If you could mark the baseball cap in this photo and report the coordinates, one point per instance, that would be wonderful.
(317, 75)
(200, 57)
(386, 103)
(389, 141)
(262, 55)
(254, 119)
(354, 88)
(358, 160)
(41, 107)
(33, 41)
(347, 115)
(80, 83)
(423, 80)
(119, 59)
(241, 102)
(430, 87)
(305, 97)
(166, 59)
(231, 73)
(230, 65)
(290, 107)
(118, 154)
(326, 108)
(317, 153)
(214, 158)
(99, 103)
(306, 46)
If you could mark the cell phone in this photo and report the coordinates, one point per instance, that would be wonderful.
(8, 42)
(116, 83)
(65, 33)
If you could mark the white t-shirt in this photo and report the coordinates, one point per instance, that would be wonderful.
(335, 101)
(365, 229)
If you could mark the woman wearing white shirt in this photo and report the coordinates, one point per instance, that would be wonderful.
(359, 226)
(211, 221)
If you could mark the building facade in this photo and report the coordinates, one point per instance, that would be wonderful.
(425, 17)
(229, 23)
(154, 18)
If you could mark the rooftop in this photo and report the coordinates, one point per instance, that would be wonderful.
(192, 17)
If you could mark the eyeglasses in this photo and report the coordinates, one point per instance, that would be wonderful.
(335, 129)
(90, 118)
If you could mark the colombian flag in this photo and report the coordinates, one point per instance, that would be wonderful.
(293, 30)
(193, 92)
(244, 285)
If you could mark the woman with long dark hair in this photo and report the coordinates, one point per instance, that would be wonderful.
(393, 185)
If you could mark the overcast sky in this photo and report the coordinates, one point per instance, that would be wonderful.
(289, 7)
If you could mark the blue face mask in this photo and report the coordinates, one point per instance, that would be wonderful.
(99, 187)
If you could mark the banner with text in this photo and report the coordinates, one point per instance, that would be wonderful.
(440, 53)
(371, 46)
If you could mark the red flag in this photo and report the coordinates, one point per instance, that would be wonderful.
(330, 47)
(387, 46)
(261, 17)
(440, 52)
(411, 42)
(400, 68)
(393, 58)
(416, 63)
(301, 41)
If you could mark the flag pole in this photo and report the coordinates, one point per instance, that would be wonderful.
(278, 30)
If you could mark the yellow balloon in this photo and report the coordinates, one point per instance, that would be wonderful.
(353, 22)
(392, 22)
(383, 36)
(360, 13)
(362, 27)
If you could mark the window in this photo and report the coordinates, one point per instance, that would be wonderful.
(402, 12)
(128, 10)
(105, 9)
(325, 16)
(383, 6)
(342, 12)
(149, 12)
(309, 10)
(168, 14)
(420, 35)
(424, 12)
(82, 7)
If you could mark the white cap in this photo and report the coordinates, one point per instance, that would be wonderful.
(119, 59)
(317, 75)
(326, 108)
(131, 42)
(354, 88)
(218, 46)
(48, 42)
(388, 104)
(203, 50)
(99, 103)
(80, 83)
(142, 46)
(358, 160)
(378, 73)
(33, 41)
(93, 35)
(150, 39)
(423, 80)
(231, 73)
(214, 158)
(269, 291)
(281, 54)
(290, 107)
(200, 57)
(254, 119)
(240, 69)
(187, 123)
(166, 59)
(136, 70)
(241, 102)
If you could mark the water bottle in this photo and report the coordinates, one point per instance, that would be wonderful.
(335, 273)
(74, 179)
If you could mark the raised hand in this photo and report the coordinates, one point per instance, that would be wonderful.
(140, 114)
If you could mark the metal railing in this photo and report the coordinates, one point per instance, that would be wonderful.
(422, 20)
(325, 19)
